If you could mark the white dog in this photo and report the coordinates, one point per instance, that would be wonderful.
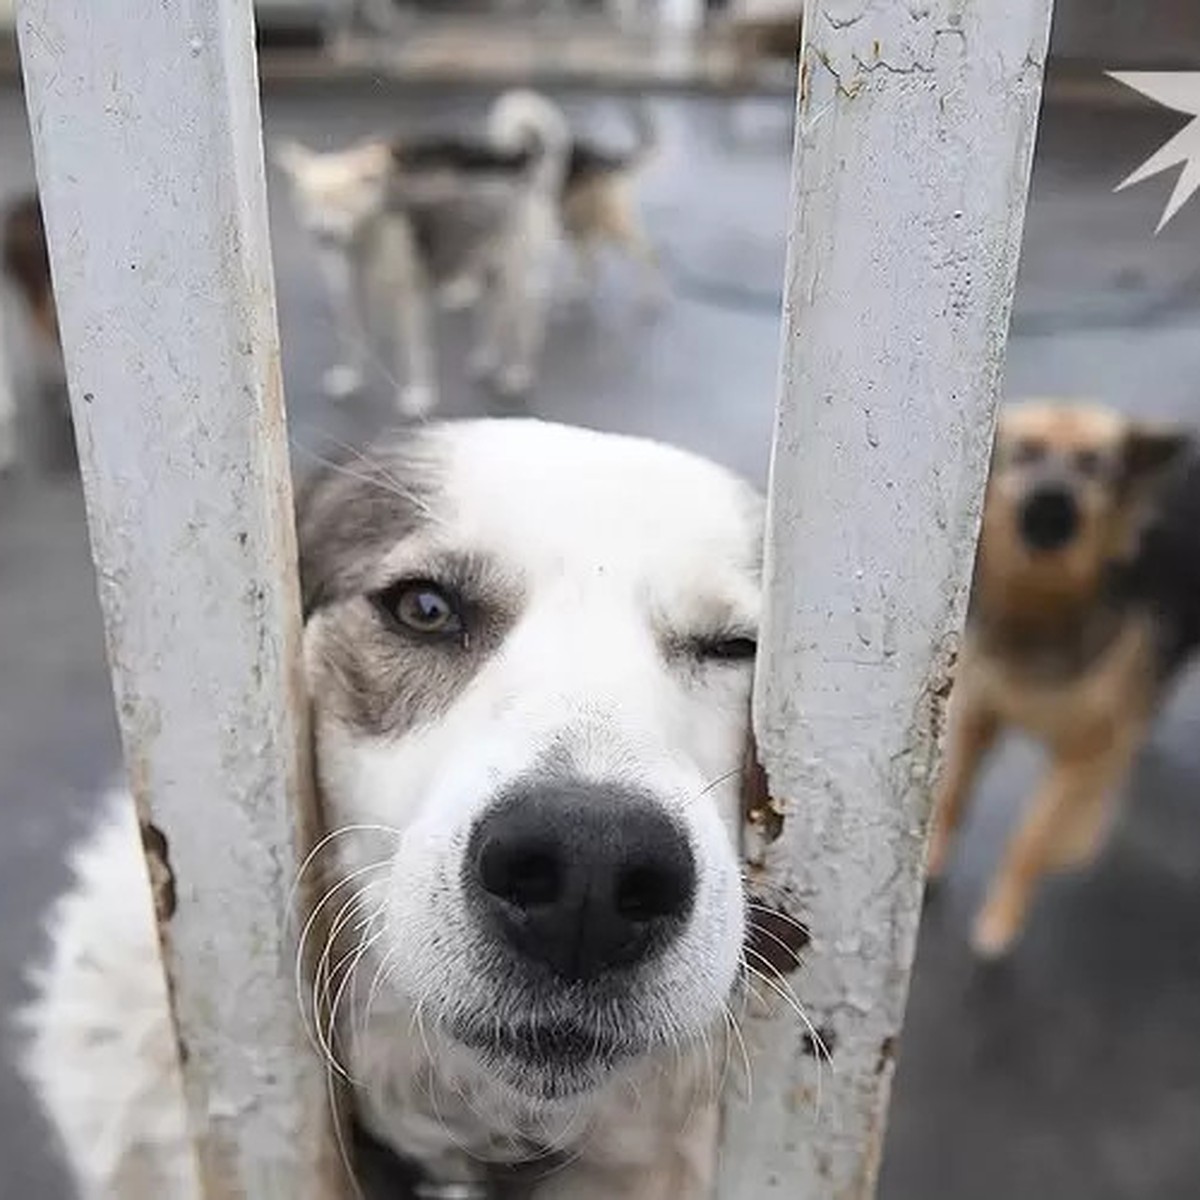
(399, 226)
(529, 650)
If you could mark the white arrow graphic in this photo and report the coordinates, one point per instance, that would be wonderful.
(1178, 90)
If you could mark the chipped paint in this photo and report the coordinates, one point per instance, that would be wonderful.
(189, 509)
(902, 265)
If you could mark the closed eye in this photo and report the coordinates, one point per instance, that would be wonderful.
(725, 648)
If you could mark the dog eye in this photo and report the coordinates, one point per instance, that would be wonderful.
(1088, 462)
(730, 649)
(421, 607)
(1026, 452)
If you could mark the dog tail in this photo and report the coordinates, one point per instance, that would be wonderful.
(523, 120)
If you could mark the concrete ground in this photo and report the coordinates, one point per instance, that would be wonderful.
(1074, 1073)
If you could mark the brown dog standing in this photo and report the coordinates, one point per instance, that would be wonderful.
(1086, 601)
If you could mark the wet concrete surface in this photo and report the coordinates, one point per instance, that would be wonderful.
(1072, 1073)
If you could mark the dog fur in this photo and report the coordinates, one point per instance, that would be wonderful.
(1085, 606)
(605, 593)
(470, 220)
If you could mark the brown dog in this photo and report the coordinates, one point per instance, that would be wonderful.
(1086, 602)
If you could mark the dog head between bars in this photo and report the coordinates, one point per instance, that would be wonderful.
(529, 650)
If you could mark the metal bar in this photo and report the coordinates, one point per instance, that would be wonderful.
(915, 134)
(148, 149)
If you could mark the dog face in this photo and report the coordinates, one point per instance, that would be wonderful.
(1066, 493)
(529, 651)
(334, 193)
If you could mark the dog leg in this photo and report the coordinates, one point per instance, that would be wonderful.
(418, 395)
(587, 270)
(973, 729)
(1073, 798)
(654, 281)
(486, 356)
(524, 277)
(346, 295)
(620, 223)
(412, 299)
(522, 316)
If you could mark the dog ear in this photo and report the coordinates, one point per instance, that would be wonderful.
(1149, 450)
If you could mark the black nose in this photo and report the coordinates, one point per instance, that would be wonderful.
(1049, 518)
(581, 878)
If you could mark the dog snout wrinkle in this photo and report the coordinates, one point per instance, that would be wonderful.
(1049, 518)
(581, 878)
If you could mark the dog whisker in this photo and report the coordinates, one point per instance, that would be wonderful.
(779, 915)
(374, 477)
(311, 857)
(349, 975)
(736, 1030)
(378, 981)
(713, 784)
(785, 993)
(322, 980)
(302, 945)
(796, 956)
(339, 1135)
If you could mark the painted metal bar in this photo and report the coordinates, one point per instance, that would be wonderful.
(915, 134)
(148, 148)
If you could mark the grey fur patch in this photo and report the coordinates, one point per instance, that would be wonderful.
(350, 513)
(370, 672)
(385, 681)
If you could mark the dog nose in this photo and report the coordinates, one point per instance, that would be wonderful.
(581, 878)
(1049, 518)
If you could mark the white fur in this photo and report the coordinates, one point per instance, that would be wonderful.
(612, 540)
(100, 1050)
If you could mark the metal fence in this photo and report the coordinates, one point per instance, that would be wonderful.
(914, 142)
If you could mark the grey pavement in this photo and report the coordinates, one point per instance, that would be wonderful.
(1076, 1071)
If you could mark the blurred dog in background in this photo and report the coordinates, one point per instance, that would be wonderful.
(1085, 605)
(403, 226)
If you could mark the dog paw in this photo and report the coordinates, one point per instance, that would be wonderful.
(416, 400)
(993, 934)
(342, 381)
